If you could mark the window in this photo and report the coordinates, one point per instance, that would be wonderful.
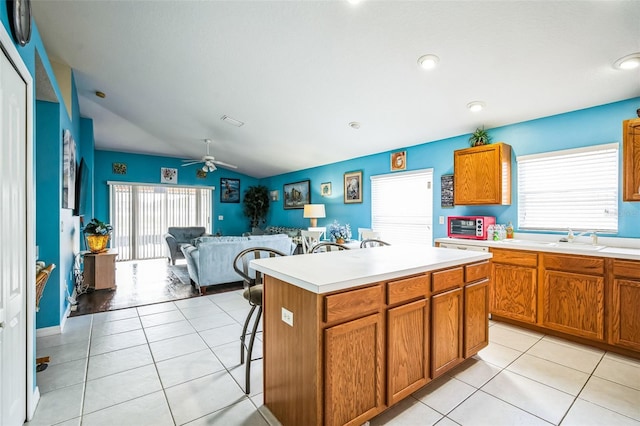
(141, 215)
(575, 188)
(402, 206)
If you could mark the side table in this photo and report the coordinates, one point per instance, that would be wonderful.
(100, 270)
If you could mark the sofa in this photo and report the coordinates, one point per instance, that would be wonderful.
(177, 236)
(210, 259)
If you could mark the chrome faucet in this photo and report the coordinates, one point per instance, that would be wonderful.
(571, 236)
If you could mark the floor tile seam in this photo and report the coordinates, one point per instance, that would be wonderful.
(522, 409)
(118, 372)
(566, 343)
(563, 365)
(120, 403)
(115, 350)
(117, 332)
(614, 382)
(609, 409)
(546, 384)
(511, 347)
(475, 390)
(631, 362)
(516, 330)
(244, 397)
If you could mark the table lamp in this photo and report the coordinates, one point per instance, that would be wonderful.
(313, 212)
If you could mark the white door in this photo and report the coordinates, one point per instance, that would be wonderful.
(13, 246)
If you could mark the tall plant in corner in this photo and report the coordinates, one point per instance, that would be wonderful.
(256, 205)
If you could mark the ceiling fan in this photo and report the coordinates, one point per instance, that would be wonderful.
(209, 161)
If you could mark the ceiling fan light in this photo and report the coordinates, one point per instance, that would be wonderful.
(205, 168)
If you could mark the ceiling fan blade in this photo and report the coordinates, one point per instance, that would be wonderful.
(222, 163)
(191, 163)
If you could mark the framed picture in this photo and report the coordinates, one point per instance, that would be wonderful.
(399, 161)
(446, 191)
(229, 190)
(168, 175)
(274, 195)
(68, 170)
(353, 187)
(297, 194)
(119, 168)
(325, 189)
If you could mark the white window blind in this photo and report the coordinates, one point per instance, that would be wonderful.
(402, 206)
(141, 214)
(576, 188)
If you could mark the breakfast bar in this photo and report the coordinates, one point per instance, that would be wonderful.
(348, 334)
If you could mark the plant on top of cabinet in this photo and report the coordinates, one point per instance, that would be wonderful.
(482, 175)
(480, 137)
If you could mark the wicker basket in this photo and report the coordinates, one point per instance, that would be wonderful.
(97, 243)
(42, 276)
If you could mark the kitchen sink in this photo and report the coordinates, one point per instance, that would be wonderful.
(530, 243)
(581, 246)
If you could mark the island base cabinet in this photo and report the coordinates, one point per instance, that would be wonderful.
(354, 371)
(446, 338)
(626, 314)
(407, 349)
(476, 312)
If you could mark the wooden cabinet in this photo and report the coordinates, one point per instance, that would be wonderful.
(100, 270)
(625, 312)
(476, 311)
(446, 337)
(631, 160)
(353, 378)
(573, 295)
(482, 175)
(514, 287)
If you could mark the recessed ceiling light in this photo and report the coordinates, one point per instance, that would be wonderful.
(355, 1)
(628, 62)
(476, 106)
(232, 121)
(428, 61)
(354, 125)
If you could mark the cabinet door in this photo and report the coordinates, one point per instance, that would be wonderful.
(353, 371)
(574, 303)
(482, 175)
(626, 314)
(631, 160)
(446, 331)
(513, 292)
(476, 317)
(407, 349)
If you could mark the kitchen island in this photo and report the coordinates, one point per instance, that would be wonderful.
(348, 334)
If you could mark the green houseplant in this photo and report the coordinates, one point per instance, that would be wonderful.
(256, 205)
(97, 234)
(480, 137)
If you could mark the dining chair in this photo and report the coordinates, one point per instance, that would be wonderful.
(322, 229)
(369, 234)
(327, 246)
(373, 242)
(252, 282)
(309, 239)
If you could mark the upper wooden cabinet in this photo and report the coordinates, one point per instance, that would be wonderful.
(482, 175)
(631, 160)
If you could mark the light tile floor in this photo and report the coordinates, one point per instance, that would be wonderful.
(177, 363)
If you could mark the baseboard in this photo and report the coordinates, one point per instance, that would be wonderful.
(56, 329)
(32, 403)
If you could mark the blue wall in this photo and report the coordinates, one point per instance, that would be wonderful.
(146, 169)
(592, 126)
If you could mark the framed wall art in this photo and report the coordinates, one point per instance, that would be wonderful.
(68, 170)
(399, 161)
(353, 187)
(446, 191)
(168, 175)
(297, 194)
(229, 190)
(119, 168)
(325, 189)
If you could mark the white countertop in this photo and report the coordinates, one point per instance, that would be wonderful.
(339, 270)
(531, 242)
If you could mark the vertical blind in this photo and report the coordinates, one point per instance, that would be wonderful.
(402, 206)
(141, 214)
(575, 188)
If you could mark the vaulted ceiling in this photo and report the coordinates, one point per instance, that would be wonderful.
(298, 72)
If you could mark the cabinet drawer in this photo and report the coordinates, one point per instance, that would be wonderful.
(626, 268)
(578, 264)
(407, 289)
(515, 257)
(352, 303)
(475, 272)
(444, 280)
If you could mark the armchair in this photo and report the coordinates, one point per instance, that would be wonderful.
(177, 236)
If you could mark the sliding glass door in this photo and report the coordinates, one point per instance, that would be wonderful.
(141, 214)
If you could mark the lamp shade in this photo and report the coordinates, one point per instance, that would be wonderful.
(313, 212)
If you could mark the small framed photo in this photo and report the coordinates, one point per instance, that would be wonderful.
(274, 195)
(119, 168)
(325, 189)
(168, 175)
(297, 194)
(353, 187)
(229, 190)
(399, 161)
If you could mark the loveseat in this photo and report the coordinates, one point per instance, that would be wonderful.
(177, 236)
(210, 259)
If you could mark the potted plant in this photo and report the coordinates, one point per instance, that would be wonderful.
(97, 234)
(339, 233)
(480, 137)
(256, 205)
